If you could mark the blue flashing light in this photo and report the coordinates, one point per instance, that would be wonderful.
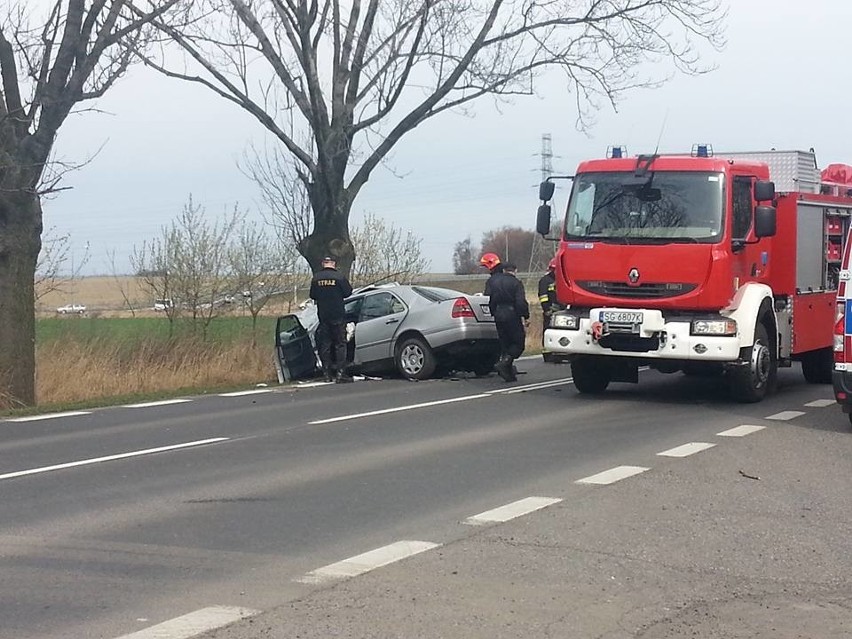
(702, 151)
(616, 152)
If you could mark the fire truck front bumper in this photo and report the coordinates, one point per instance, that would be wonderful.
(643, 333)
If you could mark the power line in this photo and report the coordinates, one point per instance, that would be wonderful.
(538, 251)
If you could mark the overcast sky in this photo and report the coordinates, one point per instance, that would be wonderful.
(781, 81)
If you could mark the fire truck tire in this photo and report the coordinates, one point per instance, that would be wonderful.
(591, 375)
(817, 366)
(750, 383)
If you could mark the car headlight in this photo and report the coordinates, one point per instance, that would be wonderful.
(564, 320)
(723, 327)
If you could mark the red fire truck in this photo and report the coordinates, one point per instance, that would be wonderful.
(723, 264)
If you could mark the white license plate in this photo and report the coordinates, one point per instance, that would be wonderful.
(621, 317)
(486, 310)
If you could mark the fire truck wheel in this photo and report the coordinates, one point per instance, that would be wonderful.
(817, 366)
(591, 375)
(750, 383)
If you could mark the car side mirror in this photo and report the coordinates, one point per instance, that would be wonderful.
(764, 191)
(545, 190)
(542, 220)
(765, 221)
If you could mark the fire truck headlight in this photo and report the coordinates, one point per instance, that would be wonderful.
(564, 320)
(721, 327)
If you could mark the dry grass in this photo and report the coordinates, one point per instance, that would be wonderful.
(77, 372)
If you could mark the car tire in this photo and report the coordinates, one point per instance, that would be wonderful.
(749, 384)
(817, 366)
(415, 359)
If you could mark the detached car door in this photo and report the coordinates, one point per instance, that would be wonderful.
(294, 352)
(381, 314)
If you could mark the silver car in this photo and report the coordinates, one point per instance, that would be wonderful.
(416, 330)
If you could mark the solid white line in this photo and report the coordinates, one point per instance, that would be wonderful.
(538, 387)
(686, 450)
(32, 418)
(312, 384)
(385, 411)
(165, 402)
(613, 475)
(511, 511)
(194, 623)
(785, 415)
(256, 391)
(740, 431)
(367, 561)
(821, 403)
(96, 460)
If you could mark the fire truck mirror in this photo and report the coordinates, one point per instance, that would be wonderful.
(764, 191)
(764, 221)
(542, 221)
(545, 190)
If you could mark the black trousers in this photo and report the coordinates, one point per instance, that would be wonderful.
(512, 337)
(331, 344)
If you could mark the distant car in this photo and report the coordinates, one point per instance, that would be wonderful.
(163, 304)
(71, 308)
(416, 330)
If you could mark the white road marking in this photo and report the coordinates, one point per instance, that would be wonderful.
(33, 418)
(165, 402)
(686, 450)
(194, 623)
(312, 384)
(785, 415)
(512, 391)
(740, 431)
(367, 561)
(96, 460)
(256, 391)
(398, 409)
(613, 475)
(821, 403)
(511, 511)
(536, 385)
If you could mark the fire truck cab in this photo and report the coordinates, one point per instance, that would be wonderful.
(698, 263)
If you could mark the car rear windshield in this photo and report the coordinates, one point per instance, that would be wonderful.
(436, 294)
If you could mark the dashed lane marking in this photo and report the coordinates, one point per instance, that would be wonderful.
(367, 561)
(194, 623)
(613, 475)
(398, 409)
(256, 391)
(33, 418)
(786, 415)
(821, 403)
(740, 431)
(165, 402)
(97, 460)
(686, 450)
(511, 511)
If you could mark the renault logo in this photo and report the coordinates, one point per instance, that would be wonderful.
(633, 276)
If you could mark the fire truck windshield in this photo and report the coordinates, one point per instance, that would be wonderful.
(668, 206)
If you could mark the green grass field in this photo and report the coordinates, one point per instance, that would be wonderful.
(222, 330)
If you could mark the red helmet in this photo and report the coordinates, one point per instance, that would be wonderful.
(552, 265)
(489, 260)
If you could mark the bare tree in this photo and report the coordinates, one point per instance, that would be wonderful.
(385, 252)
(189, 264)
(72, 53)
(339, 84)
(262, 267)
(55, 255)
(464, 260)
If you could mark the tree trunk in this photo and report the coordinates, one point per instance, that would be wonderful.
(20, 244)
(330, 235)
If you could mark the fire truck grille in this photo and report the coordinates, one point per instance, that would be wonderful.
(623, 289)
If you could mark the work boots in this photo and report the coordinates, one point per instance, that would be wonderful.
(505, 369)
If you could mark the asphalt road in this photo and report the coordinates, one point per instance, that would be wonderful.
(122, 519)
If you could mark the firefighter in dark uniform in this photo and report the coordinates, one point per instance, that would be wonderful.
(509, 307)
(329, 288)
(547, 299)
